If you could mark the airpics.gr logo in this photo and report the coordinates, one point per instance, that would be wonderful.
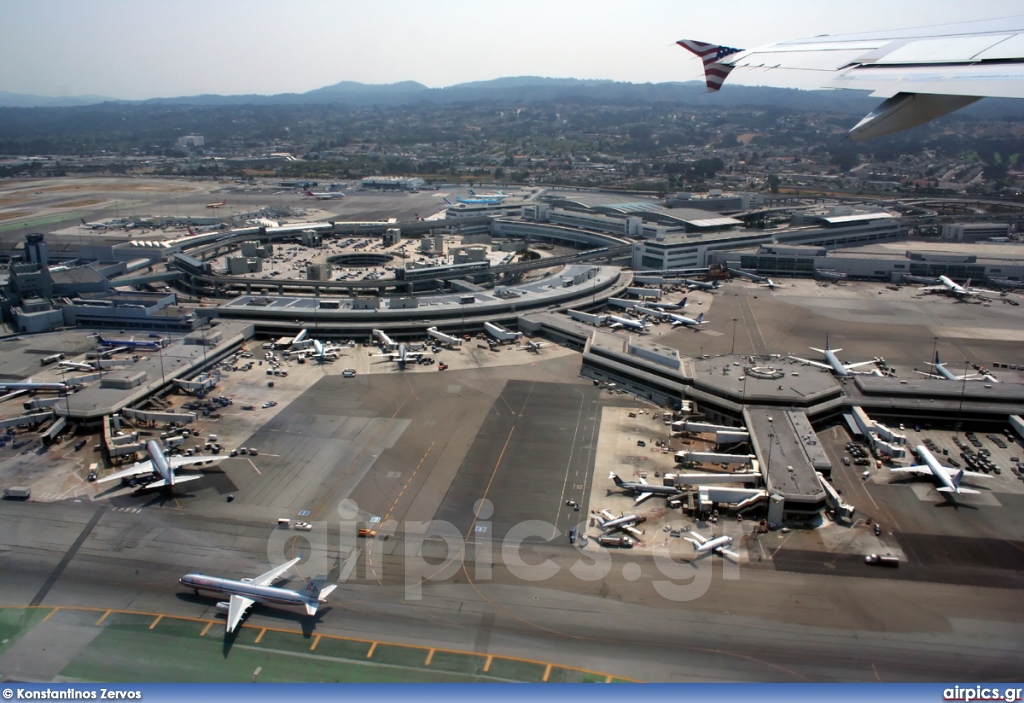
(981, 693)
(436, 550)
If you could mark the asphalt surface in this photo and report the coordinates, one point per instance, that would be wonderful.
(397, 450)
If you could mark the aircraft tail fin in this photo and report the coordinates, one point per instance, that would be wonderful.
(967, 285)
(471, 192)
(715, 72)
(615, 477)
(682, 303)
(448, 202)
(957, 478)
(700, 318)
(326, 591)
(83, 221)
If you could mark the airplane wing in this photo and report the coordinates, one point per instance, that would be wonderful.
(275, 573)
(967, 474)
(696, 538)
(982, 293)
(859, 363)
(178, 461)
(919, 470)
(633, 531)
(139, 469)
(819, 364)
(164, 483)
(959, 489)
(728, 553)
(923, 72)
(237, 607)
(641, 498)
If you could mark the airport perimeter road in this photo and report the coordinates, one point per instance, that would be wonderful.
(763, 626)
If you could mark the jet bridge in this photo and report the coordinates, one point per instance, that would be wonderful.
(737, 499)
(385, 341)
(713, 457)
(24, 420)
(842, 509)
(586, 317)
(500, 333)
(723, 433)
(443, 338)
(700, 479)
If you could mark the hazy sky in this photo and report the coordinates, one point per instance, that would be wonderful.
(136, 49)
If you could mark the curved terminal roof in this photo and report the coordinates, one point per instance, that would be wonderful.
(650, 210)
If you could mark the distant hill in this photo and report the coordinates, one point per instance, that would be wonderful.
(534, 89)
(20, 100)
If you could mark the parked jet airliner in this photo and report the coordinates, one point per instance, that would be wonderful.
(324, 196)
(670, 306)
(616, 323)
(700, 285)
(687, 321)
(948, 477)
(643, 490)
(717, 545)
(940, 371)
(129, 343)
(161, 465)
(834, 364)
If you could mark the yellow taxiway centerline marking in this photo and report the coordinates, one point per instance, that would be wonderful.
(263, 631)
(155, 622)
(373, 643)
(206, 629)
(104, 617)
(430, 655)
(547, 673)
(49, 615)
(316, 641)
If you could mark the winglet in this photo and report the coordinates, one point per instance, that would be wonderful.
(715, 72)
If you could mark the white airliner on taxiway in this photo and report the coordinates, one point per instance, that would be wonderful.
(243, 594)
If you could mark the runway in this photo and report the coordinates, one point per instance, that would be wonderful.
(764, 626)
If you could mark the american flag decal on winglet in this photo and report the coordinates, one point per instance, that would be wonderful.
(711, 54)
